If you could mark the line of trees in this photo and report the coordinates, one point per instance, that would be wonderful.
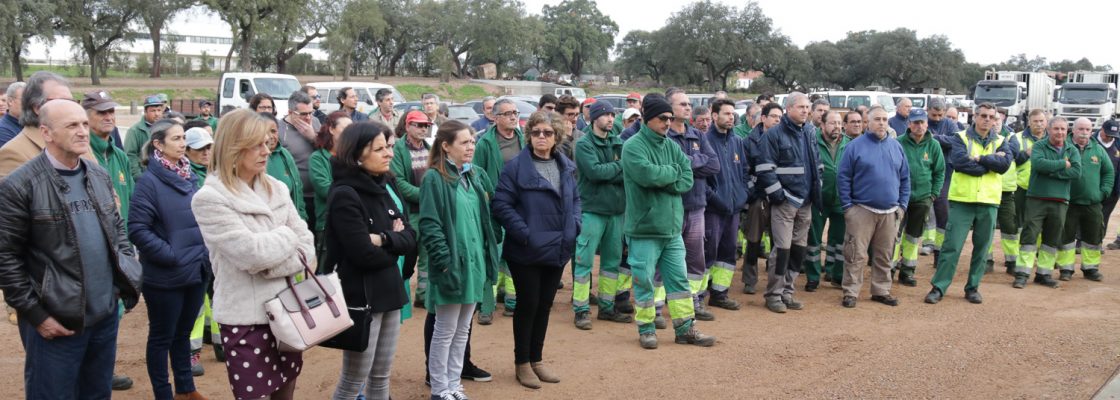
(701, 45)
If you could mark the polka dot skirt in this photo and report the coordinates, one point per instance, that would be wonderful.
(255, 366)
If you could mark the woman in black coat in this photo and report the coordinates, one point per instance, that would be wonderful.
(366, 238)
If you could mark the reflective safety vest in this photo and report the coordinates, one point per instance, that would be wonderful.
(1026, 141)
(985, 189)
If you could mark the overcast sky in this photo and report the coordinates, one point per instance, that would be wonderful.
(986, 31)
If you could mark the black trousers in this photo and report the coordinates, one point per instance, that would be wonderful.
(536, 287)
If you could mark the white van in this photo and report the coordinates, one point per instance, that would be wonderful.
(235, 89)
(576, 92)
(366, 91)
(853, 99)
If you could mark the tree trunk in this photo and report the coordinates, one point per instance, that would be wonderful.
(15, 49)
(349, 64)
(156, 57)
(229, 56)
(94, 78)
(245, 53)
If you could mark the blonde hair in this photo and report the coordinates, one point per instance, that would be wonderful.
(240, 130)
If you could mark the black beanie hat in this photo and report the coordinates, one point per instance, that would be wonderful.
(654, 106)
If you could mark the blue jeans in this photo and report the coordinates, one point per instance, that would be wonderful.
(70, 367)
(171, 315)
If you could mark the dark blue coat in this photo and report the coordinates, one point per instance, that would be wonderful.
(704, 162)
(788, 165)
(541, 223)
(727, 191)
(752, 145)
(162, 227)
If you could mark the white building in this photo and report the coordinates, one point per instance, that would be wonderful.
(194, 32)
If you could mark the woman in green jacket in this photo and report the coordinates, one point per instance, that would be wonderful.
(319, 165)
(282, 166)
(461, 241)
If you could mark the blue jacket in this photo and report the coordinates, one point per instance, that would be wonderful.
(9, 128)
(630, 130)
(481, 124)
(162, 226)
(1113, 156)
(541, 223)
(899, 123)
(873, 172)
(357, 116)
(752, 146)
(705, 164)
(989, 163)
(788, 165)
(944, 127)
(727, 191)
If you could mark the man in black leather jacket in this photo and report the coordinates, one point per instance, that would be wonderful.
(65, 261)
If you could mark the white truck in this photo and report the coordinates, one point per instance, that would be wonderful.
(235, 89)
(1016, 91)
(1089, 94)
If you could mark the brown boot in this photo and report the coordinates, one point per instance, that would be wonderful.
(526, 377)
(195, 395)
(544, 374)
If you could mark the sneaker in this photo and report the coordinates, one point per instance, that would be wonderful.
(121, 382)
(485, 319)
(934, 296)
(792, 304)
(625, 307)
(725, 303)
(776, 305)
(445, 396)
(703, 314)
(1020, 281)
(1093, 275)
(973, 296)
(1065, 275)
(606, 314)
(849, 302)
(811, 286)
(648, 341)
(694, 337)
(885, 299)
(459, 395)
(583, 320)
(196, 366)
(219, 353)
(659, 322)
(1045, 280)
(474, 373)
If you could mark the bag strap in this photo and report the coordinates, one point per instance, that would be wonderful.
(304, 310)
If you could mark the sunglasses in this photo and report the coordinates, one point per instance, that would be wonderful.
(542, 132)
(420, 125)
(666, 118)
(317, 97)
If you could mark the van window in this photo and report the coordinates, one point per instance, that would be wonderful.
(856, 101)
(227, 88)
(836, 101)
(887, 103)
(329, 96)
(278, 88)
(246, 89)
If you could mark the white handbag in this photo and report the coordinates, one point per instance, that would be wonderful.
(309, 312)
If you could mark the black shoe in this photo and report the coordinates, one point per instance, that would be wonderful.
(592, 300)
(934, 296)
(1045, 280)
(702, 314)
(1010, 269)
(725, 303)
(826, 277)
(121, 382)
(848, 302)
(474, 373)
(625, 307)
(219, 353)
(885, 299)
(1065, 275)
(1115, 245)
(1020, 281)
(906, 278)
(973, 296)
(560, 285)
(811, 286)
(1093, 275)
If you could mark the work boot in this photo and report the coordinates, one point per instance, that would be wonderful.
(1020, 280)
(1010, 266)
(775, 304)
(702, 313)
(1115, 245)
(838, 283)
(544, 374)
(648, 341)
(811, 286)
(885, 299)
(606, 314)
(121, 382)
(507, 311)
(1092, 274)
(1065, 275)
(933, 296)
(659, 322)
(694, 337)
(724, 302)
(592, 300)
(1045, 280)
(791, 303)
(991, 267)
(848, 302)
(526, 377)
(749, 289)
(906, 278)
(196, 366)
(485, 318)
(624, 307)
(583, 320)
(973, 296)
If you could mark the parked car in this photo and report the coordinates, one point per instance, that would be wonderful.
(405, 107)
(618, 101)
(235, 89)
(365, 90)
(463, 113)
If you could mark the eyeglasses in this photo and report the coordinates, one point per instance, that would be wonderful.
(775, 116)
(420, 125)
(542, 132)
(303, 114)
(509, 114)
(666, 118)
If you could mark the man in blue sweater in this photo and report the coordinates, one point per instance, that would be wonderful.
(901, 120)
(874, 186)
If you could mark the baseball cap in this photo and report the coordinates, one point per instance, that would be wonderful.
(198, 138)
(634, 96)
(98, 101)
(630, 112)
(204, 102)
(416, 116)
(587, 101)
(917, 114)
(1111, 128)
(152, 100)
(163, 97)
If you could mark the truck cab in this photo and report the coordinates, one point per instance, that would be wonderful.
(1089, 94)
(236, 88)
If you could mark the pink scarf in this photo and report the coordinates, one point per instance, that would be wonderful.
(182, 168)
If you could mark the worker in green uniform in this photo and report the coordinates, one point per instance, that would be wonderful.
(1083, 219)
(927, 174)
(831, 143)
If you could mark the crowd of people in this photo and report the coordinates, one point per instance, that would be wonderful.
(207, 219)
